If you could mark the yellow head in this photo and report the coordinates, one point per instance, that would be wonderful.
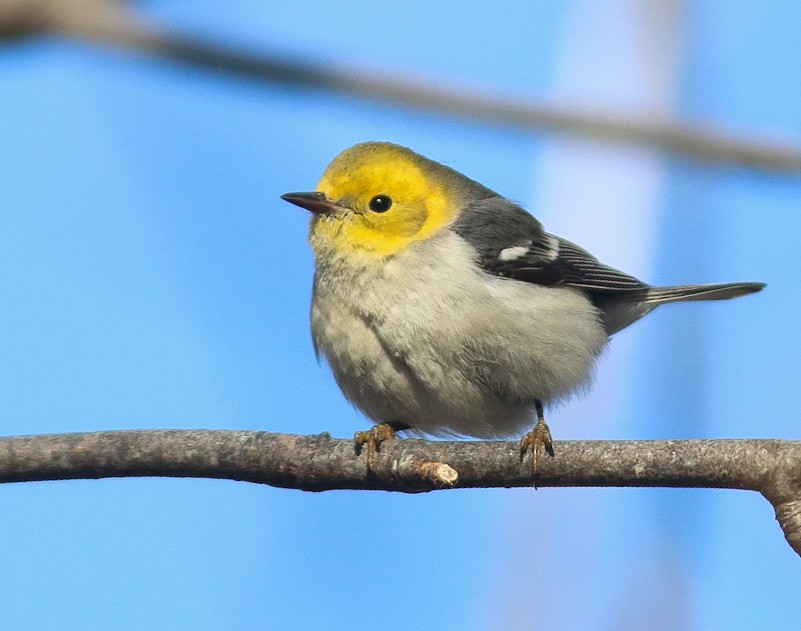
(379, 198)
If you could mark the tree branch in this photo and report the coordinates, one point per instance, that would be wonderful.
(321, 463)
(116, 23)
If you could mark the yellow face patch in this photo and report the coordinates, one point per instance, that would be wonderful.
(386, 201)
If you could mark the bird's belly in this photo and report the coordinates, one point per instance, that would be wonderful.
(465, 361)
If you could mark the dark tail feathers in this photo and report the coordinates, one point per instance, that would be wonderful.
(720, 291)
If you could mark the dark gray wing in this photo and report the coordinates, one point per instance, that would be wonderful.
(512, 243)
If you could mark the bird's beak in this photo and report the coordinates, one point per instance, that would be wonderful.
(314, 201)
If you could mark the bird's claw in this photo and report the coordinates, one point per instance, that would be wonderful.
(373, 438)
(538, 440)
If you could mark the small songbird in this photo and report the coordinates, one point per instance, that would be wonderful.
(445, 309)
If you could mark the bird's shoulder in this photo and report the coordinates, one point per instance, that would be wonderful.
(512, 243)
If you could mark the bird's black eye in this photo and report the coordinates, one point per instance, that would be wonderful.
(380, 203)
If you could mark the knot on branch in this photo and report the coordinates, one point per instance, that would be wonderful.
(435, 474)
(411, 473)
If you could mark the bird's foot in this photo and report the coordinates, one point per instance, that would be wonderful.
(538, 440)
(373, 438)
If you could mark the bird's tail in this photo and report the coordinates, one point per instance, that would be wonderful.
(720, 291)
(619, 313)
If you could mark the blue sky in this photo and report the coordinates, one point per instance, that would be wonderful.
(151, 277)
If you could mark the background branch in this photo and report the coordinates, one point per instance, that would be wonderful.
(114, 22)
(320, 463)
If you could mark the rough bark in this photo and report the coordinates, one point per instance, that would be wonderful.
(321, 463)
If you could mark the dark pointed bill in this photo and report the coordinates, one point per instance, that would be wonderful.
(313, 201)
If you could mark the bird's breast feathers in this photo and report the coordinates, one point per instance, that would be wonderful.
(429, 323)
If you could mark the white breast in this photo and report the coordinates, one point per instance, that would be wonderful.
(429, 339)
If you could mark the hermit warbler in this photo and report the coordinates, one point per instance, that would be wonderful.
(445, 309)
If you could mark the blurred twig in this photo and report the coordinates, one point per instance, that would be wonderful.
(320, 463)
(112, 22)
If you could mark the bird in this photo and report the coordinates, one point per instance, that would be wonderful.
(445, 309)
